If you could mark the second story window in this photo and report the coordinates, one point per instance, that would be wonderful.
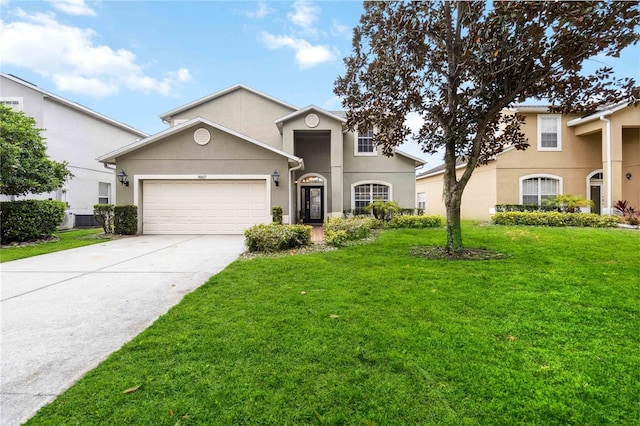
(364, 143)
(549, 132)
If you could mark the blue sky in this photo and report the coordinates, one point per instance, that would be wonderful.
(133, 60)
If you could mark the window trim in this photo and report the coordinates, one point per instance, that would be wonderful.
(558, 118)
(369, 182)
(423, 202)
(543, 176)
(109, 186)
(357, 153)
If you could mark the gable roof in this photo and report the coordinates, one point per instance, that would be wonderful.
(111, 157)
(218, 94)
(311, 108)
(601, 113)
(416, 160)
(74, 105)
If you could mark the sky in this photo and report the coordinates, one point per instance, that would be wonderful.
(134, 60)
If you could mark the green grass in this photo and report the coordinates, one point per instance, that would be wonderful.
(66, 240)
(548, 336)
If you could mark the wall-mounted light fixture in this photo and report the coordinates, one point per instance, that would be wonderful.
(628, 176)
(276, 177)
(122, 177)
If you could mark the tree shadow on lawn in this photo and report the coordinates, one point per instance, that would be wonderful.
(441, 253)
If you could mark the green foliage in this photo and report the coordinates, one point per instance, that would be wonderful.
(405, 221)
(276, 212)
(25, 167)
(554, 219)
(275, 237)
(523, 208)
(340, 230)
(30, 219)
(567, 203)
(383, 210)
(103, 213)
(125, 220)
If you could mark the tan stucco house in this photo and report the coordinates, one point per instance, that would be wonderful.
(229, 157)
(596, 156)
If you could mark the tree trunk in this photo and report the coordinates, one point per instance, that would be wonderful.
(454, 231)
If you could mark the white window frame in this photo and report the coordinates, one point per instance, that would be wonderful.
(369, 182)
(558, 119)
(100, 196)
(357, 152)
(422, 200)
(16, 103)
(540, 176)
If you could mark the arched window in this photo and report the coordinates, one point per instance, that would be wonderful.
(366, 193)
(535, 189)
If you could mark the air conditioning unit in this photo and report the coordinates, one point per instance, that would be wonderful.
(68, 222)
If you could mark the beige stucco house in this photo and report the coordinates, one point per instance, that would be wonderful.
(228, 158)
(596, 156)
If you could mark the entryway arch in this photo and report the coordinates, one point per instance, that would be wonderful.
(595, 181)
(312, 198)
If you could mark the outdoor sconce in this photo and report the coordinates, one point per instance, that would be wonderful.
(122, 177)
(628, 176)
(276, 177)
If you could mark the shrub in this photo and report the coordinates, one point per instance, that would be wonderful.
(29, 219)
(383, 210)
(629, 214)
(125, 220)
(275, 237)
(103, 213)
(276, 213)
(342, 230)
(414, 221)
(523, 208)
(567, 203)
(554, 219)
(348, 213)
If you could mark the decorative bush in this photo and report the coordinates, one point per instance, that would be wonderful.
(413, 221)
(125, 220)
(383, 210)
(567, 203)
(341, 230)
(500, 208)
(554, 219)
(276, 212)
(103, 213)
(630, 215)
(275, 237)
(29, 219)
(348, 213)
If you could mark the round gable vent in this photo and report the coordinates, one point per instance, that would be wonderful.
(312, 120)
(202, 136)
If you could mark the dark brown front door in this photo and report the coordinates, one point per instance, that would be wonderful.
(312, 198)
(595, 197)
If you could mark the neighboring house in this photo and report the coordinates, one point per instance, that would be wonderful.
(214, 170)
(74, 134)
(596, 156)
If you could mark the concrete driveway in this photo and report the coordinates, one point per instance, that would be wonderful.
(63, 313)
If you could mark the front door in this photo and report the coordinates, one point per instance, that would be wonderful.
(595, 197)
(312, 198)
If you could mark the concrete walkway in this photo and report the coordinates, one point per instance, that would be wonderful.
(63, 313)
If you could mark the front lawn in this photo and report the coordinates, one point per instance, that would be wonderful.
(372, 335)
(64, 240)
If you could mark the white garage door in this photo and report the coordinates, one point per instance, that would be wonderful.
(203, 207)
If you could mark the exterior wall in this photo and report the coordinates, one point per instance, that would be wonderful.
(631, 165)
(75, 137)
(398, 171)
(478, 199)
(242, 111)
(224, 155)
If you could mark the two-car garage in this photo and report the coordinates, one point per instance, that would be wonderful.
(203, 206)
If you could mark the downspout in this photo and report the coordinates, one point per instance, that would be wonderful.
(609, 171)
(292, 214)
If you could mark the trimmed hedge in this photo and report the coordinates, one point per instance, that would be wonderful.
(28, 220)
(406, 221)
(276, 237)
(338, 231)
(554, 219)
(501, 208)
(125, 220)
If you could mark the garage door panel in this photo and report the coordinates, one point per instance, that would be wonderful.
(203, 207)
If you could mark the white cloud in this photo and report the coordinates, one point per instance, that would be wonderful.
(307, 55)
(338, 29)
(262, 10)
(72, 7)
(304, 15)
(70, 58)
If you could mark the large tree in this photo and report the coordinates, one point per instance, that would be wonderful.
(459, 64)
(25, 167)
